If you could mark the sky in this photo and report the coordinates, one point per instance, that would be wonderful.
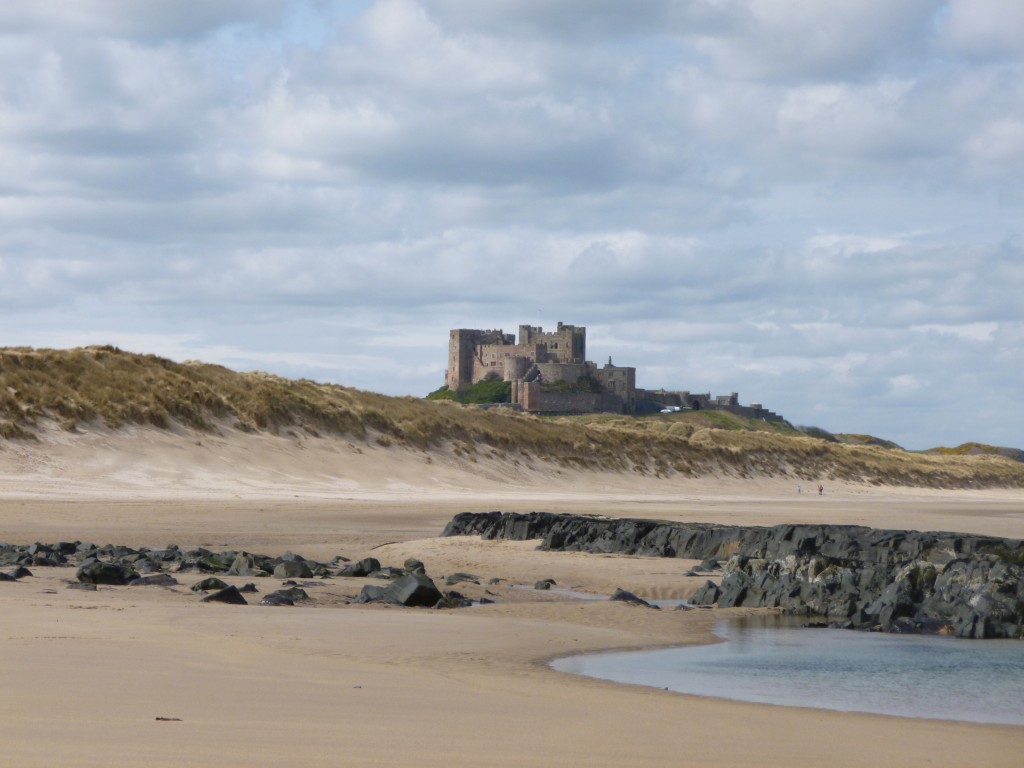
(819, 206)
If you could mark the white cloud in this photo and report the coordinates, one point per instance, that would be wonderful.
(805, 40)
(145, 20)
(813, 204)
(986, 29)
(970, 331)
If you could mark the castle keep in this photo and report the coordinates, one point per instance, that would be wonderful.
(549, 373)
(548, 370)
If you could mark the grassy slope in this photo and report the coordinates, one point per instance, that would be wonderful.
(103, 385)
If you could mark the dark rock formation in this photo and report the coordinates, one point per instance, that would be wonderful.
(453, 599)
(412, 590)
(372, 593)
(456, 578)
(970, 586)
(117, 564)
(155, 580)
(293, 594)
(363, 568)
(209, 584)
(99, 572)
(622, 596)
(293, 569)
(277, 598)
(229, 595)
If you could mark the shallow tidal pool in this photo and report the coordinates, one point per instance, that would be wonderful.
(772, 661)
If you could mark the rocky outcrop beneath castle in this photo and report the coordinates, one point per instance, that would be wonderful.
(857, 577)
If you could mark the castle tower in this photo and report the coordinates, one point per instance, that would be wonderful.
(566, 344)
(461, 343)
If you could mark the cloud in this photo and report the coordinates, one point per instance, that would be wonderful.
(985, 29)
(813, 204)
(142, 20)
(803, 40)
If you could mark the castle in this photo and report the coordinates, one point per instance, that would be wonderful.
(549, 373)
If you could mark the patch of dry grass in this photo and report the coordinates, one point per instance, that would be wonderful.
(106, 386)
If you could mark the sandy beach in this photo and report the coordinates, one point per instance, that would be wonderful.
(88, 676)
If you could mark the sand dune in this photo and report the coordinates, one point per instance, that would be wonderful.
(87, 674)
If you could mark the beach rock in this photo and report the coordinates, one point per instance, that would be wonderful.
(214, 563)
(455, 578)
(453, 599)
(246, 564)
(623, 596)
(387, 572)
(372, 593)
(295, 594)
(209, 584)
(544, 584)
(414, 590)
(706, 595)
(156, 580)
(277, 598)
(412, 565)
(970, 586)
(99, 572)
(293, 569)
(363, 568)
(229, 595)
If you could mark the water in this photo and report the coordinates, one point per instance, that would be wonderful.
(768, 662)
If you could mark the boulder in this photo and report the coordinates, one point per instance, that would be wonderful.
(706, 595)
(363, 568)
(229, 595)
(209, 584)
(99, 572)
(453, 599)
(295, 594)
(156, 580)
(623, 596)
(293, 569)
(372, 593)
(245, 564)
(413, 590)
(277, 598)
(455, 578)
(387, 572)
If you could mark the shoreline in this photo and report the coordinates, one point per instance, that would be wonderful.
(738, 619)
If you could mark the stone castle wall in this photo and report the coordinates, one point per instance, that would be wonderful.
(560, 356)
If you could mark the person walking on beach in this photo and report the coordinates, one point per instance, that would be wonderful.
(821, 489)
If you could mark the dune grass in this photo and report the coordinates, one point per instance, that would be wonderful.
(106, 387)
